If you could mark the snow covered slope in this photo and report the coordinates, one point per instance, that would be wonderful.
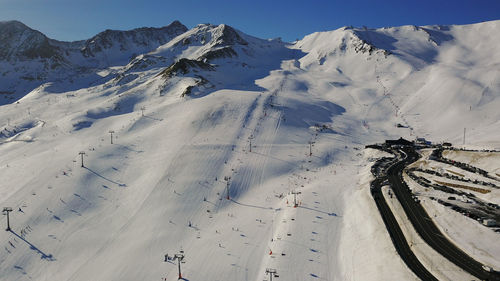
(437, 79)
(199, 115)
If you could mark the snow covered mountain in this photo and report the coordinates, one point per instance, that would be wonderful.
(28, 58)
(416, 69)
(204, 114)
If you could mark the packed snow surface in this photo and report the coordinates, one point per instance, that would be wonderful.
(212, 114)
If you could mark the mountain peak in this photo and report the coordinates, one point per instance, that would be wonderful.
(13, 24)
(228, 36)
(177, 24)
(20, 41)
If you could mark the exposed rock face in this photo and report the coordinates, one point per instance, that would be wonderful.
(183, 66)
(228, 36)
(19, 42)
(225, 52)
(137, 40)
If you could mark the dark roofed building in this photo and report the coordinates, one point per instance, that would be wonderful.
(399, 141)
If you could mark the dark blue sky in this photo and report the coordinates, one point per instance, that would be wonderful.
(291, 19)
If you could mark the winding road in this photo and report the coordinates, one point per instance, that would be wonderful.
(420, 220)
(395, 232)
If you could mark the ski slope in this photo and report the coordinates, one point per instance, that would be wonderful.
(161, 186)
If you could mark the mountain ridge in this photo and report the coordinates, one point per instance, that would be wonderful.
(28, 58)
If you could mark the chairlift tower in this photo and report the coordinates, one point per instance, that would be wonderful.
(228, 182)
(272, 273)
(180, 259)
(295, 198)
(250, 138)
(82, 153)
(6, 211)
(310, 148)
(111, 132)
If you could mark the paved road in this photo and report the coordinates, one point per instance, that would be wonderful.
(396, 233)
(424, 225)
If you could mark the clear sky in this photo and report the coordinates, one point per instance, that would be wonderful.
(70, 20)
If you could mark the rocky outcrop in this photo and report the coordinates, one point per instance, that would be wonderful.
(183, 66)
